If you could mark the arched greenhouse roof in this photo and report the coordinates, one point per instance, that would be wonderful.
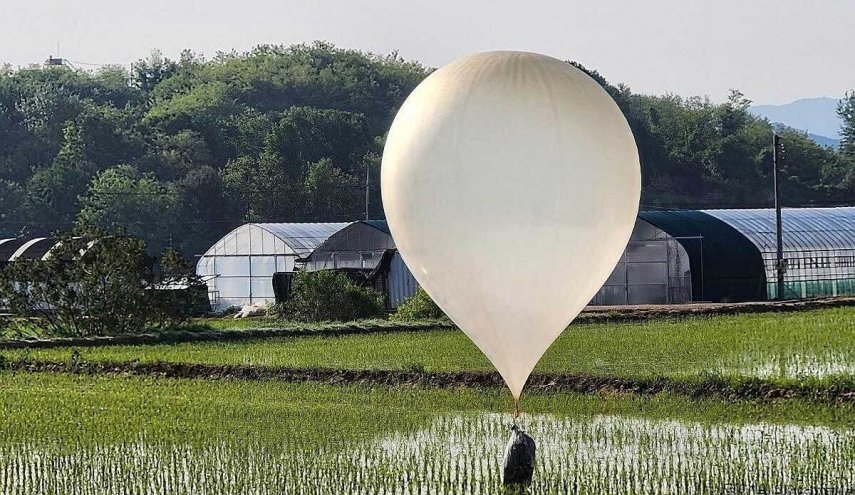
(803, 229)
(303, 238)
(25, 248)
(725, 265)
(300, 238)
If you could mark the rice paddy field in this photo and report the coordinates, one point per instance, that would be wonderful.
(128, 435)
(121, 434)
(816, 345)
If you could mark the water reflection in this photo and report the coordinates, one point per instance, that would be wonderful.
(762, 365)
(457, 454)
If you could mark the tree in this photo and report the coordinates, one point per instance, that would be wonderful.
(842, 174)
(148, 73)
(203, 209)
(120, 200)
(87, 286)
(418, 307)
(11, 216)
(306, 135)
(52, 192)
(106, 136)
(172, 156)
(330, 193)
(208, 109)
(261, 189)
(846, 111)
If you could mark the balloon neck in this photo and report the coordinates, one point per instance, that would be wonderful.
(516, 408)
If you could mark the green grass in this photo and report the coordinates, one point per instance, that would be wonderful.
(776, 346)
(64, 433)
(43, 404)
(96, 434)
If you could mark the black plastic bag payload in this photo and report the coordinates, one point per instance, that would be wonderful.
(519, 458)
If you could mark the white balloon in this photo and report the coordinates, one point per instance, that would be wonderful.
(511, 184)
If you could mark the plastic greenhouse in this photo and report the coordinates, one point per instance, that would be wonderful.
(732, 253)
(654, 269)
(24, 248)
(819, 248)
(673, 256)
(239, 267)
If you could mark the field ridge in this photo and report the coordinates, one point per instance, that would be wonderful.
(624, 314)
(701, 386)
(204, 334)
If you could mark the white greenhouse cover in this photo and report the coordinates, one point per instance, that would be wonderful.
(240, 266)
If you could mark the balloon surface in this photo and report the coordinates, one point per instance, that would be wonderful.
(511, 184)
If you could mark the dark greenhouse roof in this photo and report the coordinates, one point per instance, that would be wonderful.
(725, 265)
(356, 237)
(378, 224)
(25, 247)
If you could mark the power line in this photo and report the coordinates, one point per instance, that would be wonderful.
(88, 63)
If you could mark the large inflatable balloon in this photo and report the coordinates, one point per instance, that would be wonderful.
(511, 184)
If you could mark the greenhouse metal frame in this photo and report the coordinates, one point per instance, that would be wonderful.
(239, 268)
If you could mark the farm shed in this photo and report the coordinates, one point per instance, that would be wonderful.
(239, 267)
(367, 246)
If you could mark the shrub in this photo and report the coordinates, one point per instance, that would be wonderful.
(179, 293)
(101, 285)
(418, 307)
(327, 295)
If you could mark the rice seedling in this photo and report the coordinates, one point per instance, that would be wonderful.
(70, 434)
(791, 346)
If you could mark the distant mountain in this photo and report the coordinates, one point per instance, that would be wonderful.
(816, 116)
(824, 140)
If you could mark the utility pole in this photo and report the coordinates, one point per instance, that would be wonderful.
(367, 182)
(780, 265)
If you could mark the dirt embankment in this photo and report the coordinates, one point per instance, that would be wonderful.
(594, 314)
(201, 334)
(732, 389)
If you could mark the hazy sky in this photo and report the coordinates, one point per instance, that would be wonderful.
(775, 51)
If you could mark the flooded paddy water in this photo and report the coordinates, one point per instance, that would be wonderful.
(787, 366)
(458, 453)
